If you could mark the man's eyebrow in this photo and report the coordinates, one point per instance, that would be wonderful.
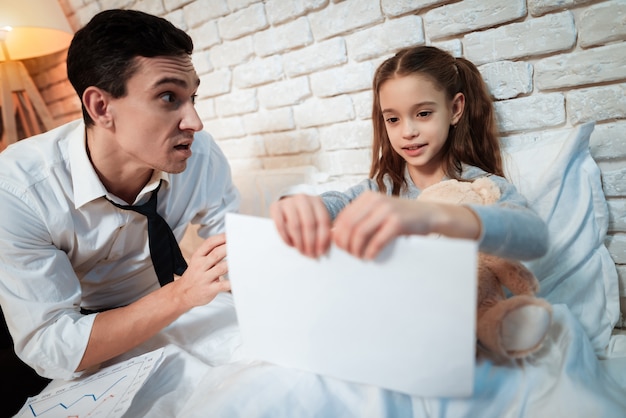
(178, 81)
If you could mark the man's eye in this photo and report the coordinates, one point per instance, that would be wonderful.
(168, 97)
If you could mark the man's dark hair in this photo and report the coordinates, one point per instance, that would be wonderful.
(102, 52)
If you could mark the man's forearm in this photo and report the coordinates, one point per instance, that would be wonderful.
(117, 331)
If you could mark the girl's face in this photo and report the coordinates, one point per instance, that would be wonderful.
(418, 117)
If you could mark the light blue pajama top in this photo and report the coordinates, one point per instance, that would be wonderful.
(510, 228)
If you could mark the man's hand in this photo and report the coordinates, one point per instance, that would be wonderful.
(202, 280)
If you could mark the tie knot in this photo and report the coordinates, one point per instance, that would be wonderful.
(147, 209)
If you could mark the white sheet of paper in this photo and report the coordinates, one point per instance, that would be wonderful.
(405, 321)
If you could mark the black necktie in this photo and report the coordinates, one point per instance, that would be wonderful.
(164, 250)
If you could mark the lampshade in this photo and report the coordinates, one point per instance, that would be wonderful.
(38, 27)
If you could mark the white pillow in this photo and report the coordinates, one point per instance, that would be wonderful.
(560, 179)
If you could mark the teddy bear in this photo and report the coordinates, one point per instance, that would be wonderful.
(513, 326)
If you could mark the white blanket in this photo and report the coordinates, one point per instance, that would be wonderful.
(206, 374)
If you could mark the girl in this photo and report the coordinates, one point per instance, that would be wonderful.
(433, 120)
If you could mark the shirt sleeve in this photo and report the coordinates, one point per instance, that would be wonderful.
(510, 228)
(335, 202)
(49, 333)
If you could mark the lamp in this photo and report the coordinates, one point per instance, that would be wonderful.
(28, 29)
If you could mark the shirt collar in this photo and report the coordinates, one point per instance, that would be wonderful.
(85, 181)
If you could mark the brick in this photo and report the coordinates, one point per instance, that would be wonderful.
(382, 39)
(344, 17)
(283, 93)
(401, 7)
(149, 6)
(282, 38)
(284, 143)
(547, 110)
(215, 83)
(242, 166)
(317, 112)
(118, 4)
(247, 147)
(544, 35)
(602, 23)
(614, 182)
(508, 79)
(345, 79)
(197, 12)
(202, 62)
(617, 248)
(258, 71)
(606, 63)
(452, 46)
(596, 103)
(617, 215)
(243, 22)
(174, 4)
(287, 161)
(345, 162)
(279, 11)
(235, 5)
(470, 15)
(363, 104)
(205, 36)
(274, 120)
(541, 7)
(206, 109)
(232, 53)
(225, 128)
(348, 135)
(237, 102)
(177, 17)
(621, 275)
(607, 141)
(315, 57)
(84, 14)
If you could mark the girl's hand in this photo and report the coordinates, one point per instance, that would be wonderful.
(373, 220)
(304, 223)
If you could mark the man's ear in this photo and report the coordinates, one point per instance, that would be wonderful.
(96, 102)
(458, 106)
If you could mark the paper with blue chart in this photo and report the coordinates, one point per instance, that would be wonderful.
(105, 393)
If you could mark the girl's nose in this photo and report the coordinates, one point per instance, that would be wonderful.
(410, 129)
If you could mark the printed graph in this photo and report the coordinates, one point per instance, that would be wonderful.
(106, 393)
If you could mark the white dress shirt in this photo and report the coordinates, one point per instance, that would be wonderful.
(63, 246)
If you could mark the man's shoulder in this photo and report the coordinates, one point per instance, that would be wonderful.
(31, 158)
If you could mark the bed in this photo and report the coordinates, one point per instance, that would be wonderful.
(579, 372)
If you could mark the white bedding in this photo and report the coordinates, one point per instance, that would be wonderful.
(579, 372)
(206, 374)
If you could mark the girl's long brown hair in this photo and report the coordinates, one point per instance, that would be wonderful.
(474, 140)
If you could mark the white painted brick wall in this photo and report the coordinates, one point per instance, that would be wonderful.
(286, 83)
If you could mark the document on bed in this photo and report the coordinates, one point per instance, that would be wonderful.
(404, 321)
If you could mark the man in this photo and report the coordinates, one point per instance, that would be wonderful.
(78, 284)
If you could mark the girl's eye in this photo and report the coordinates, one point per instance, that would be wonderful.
(391, 120)
(423, 114)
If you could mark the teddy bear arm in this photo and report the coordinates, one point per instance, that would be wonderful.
(512, 274)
